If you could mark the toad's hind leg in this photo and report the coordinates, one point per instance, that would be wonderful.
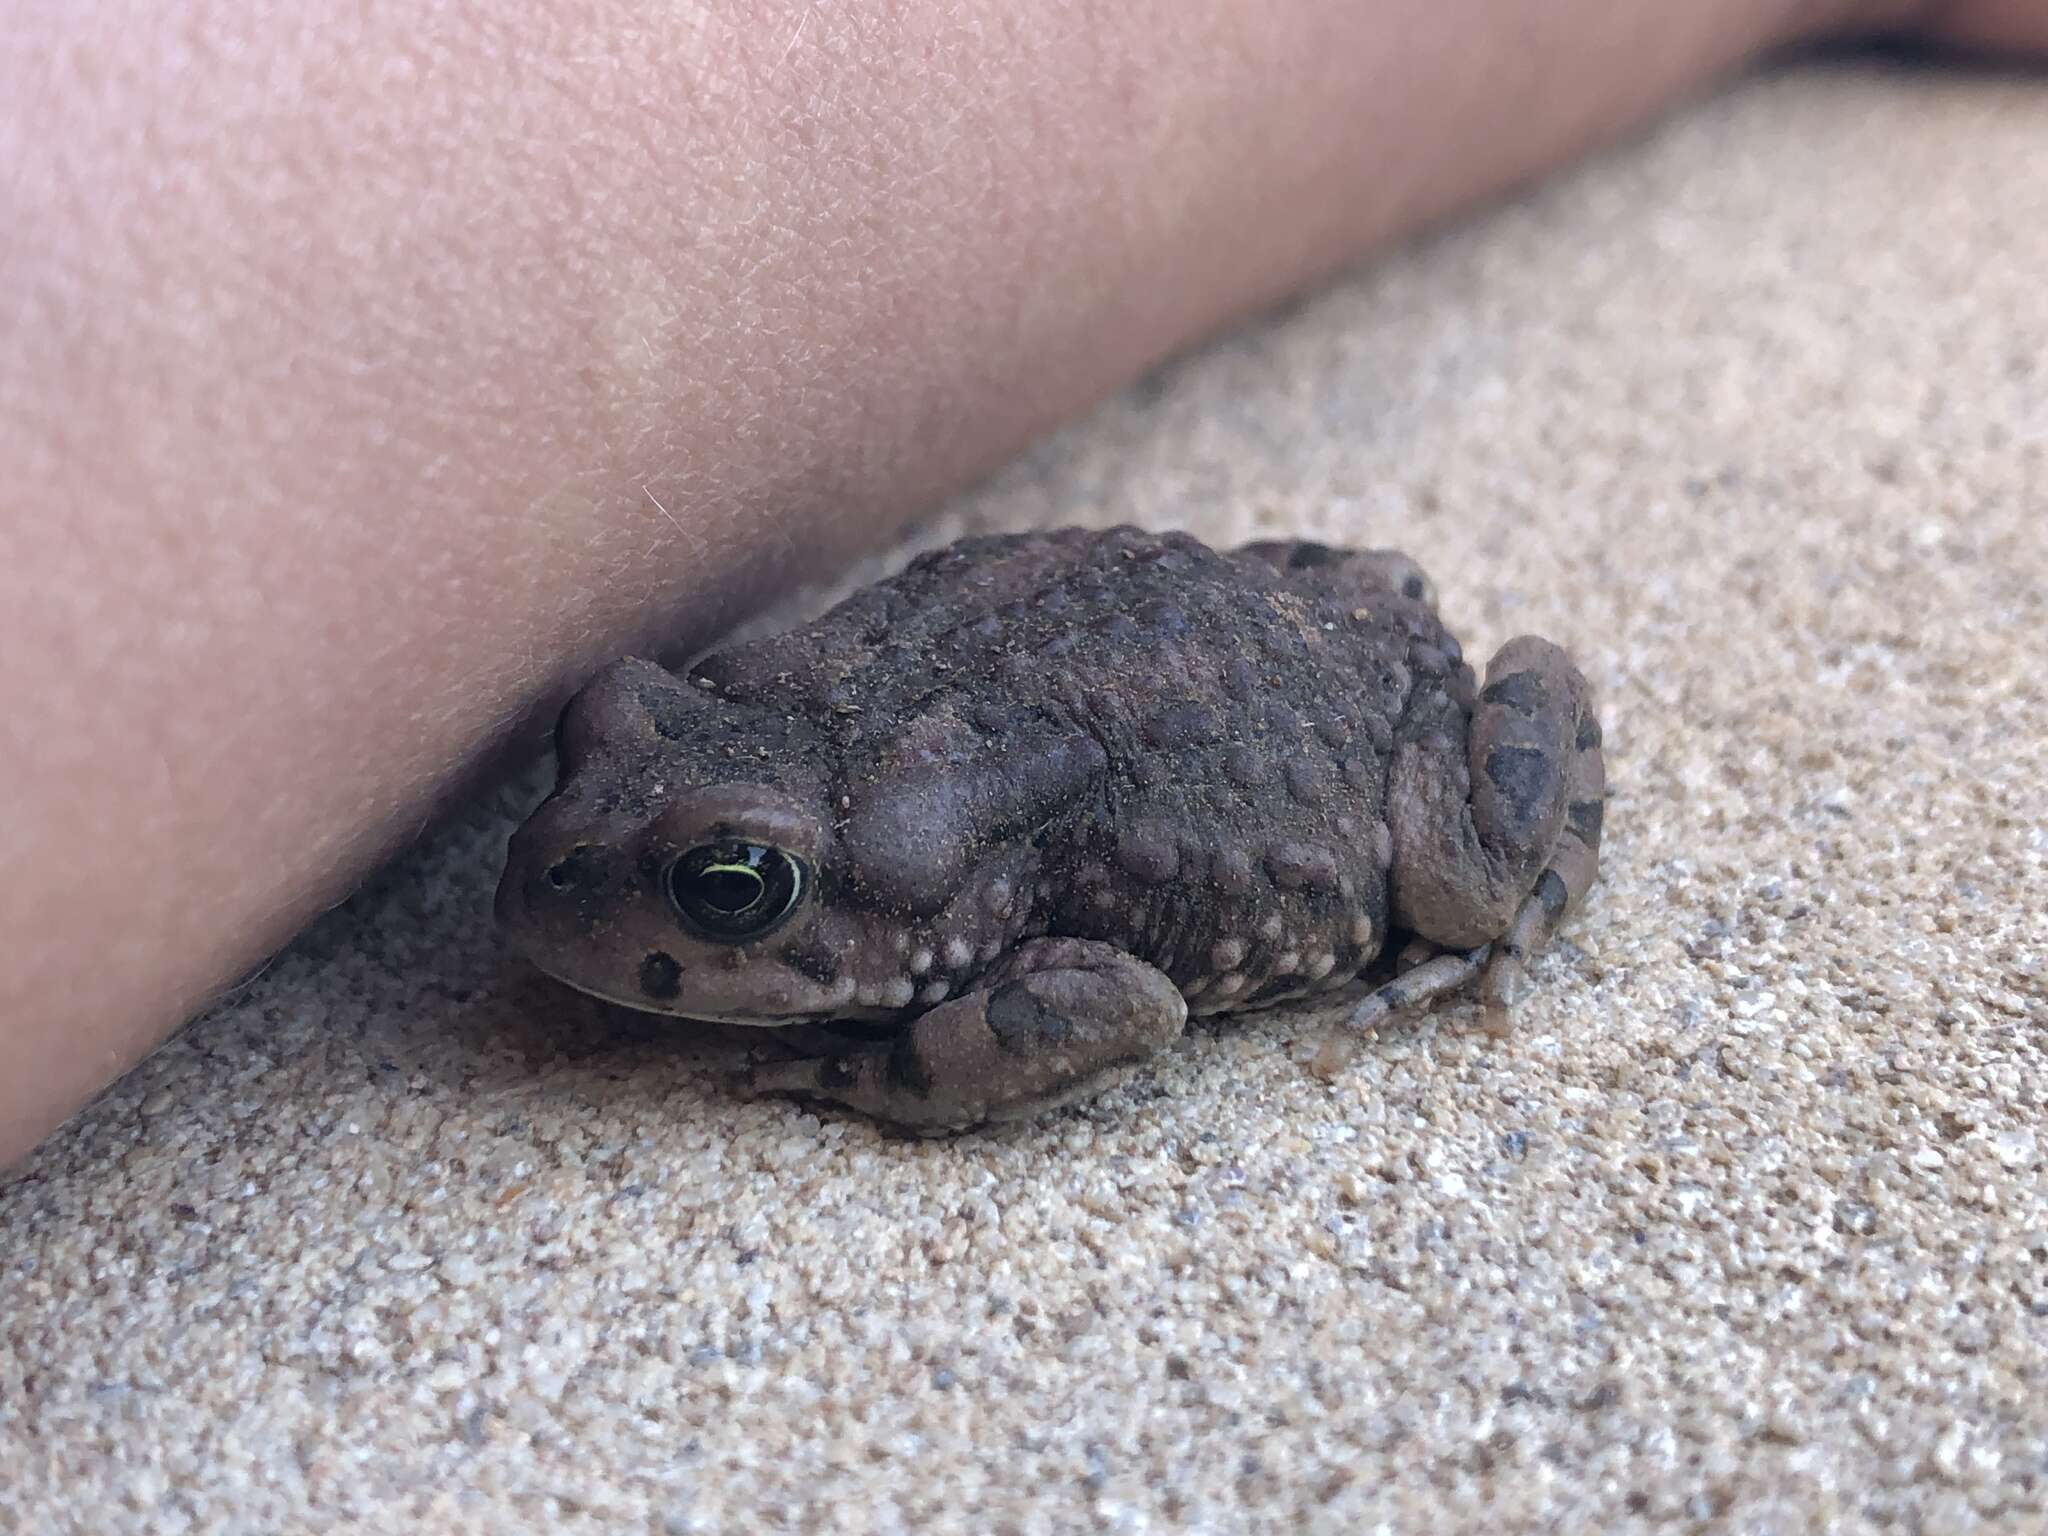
(1058, 1020)
(1574, 859)
(1495, 820)
(1418, 986)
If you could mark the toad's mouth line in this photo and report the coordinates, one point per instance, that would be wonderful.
(709, 1016)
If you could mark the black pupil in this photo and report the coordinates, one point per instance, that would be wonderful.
(728, 889)
(734, 891)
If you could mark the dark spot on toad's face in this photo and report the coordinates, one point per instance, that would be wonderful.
(815, 963)
(660, 977)
(1589, 734)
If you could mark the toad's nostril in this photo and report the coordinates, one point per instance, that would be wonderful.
(579, 867)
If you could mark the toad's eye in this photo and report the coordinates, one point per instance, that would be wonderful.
(735, 891)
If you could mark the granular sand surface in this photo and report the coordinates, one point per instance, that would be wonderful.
(1743, 1228)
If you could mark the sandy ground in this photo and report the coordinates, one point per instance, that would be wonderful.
(1744, 1229)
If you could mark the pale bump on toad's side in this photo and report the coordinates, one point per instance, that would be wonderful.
(1016, 812)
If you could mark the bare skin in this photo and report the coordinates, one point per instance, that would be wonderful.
(363, 391)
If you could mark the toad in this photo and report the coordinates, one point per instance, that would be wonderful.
(1006, 819)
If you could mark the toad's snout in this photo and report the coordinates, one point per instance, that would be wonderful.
(556, 883)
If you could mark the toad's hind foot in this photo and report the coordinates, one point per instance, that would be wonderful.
(1499, 966)
(1496, 820)
(1496, 814)
(1417, 987)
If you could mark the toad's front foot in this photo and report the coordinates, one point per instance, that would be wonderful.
(1058, 1020)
